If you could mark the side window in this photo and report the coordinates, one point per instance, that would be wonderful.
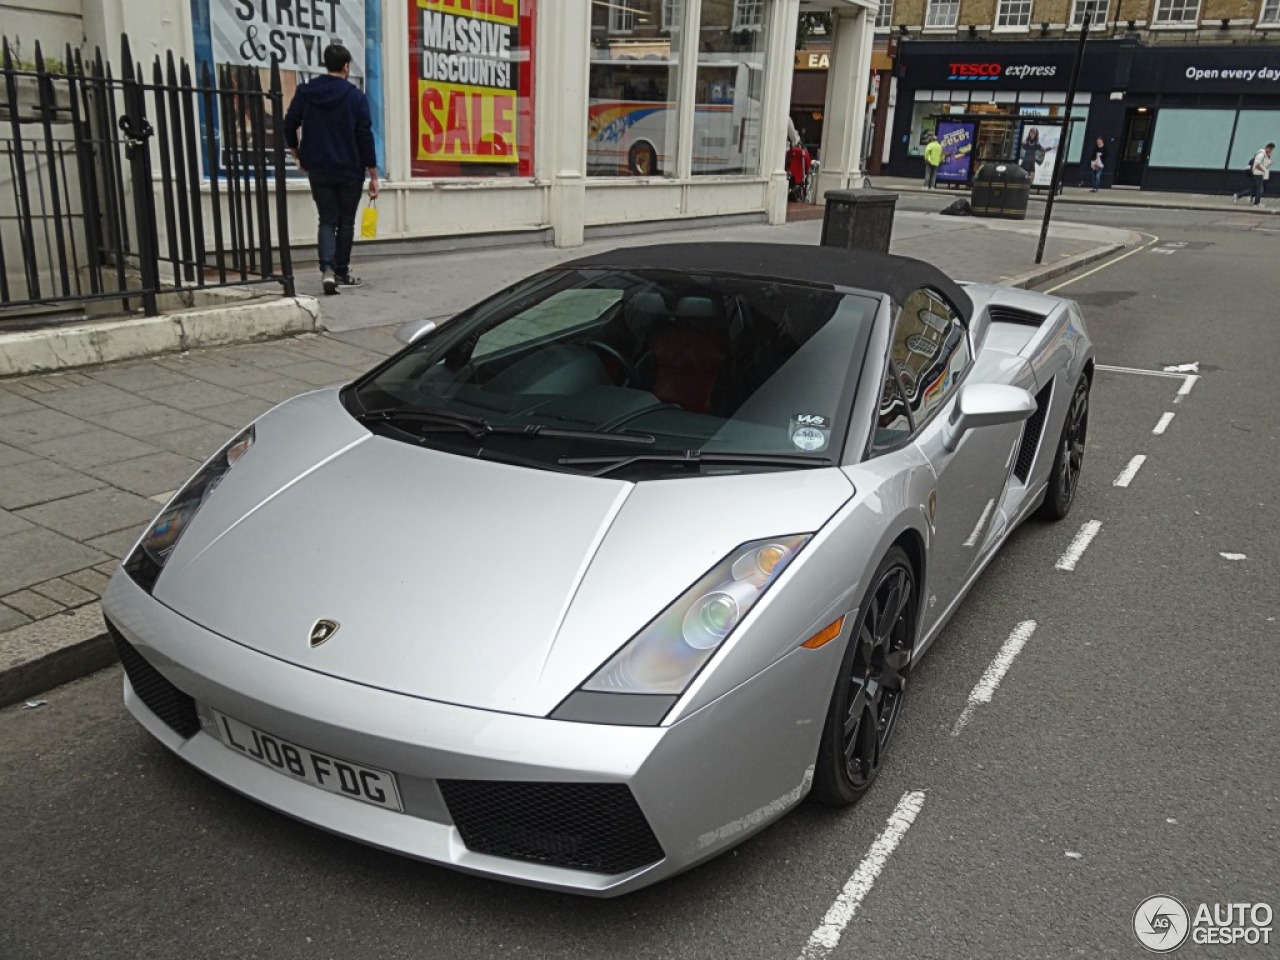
(892, 423)
(931, 351)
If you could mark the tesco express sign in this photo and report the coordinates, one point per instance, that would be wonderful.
(994, 71)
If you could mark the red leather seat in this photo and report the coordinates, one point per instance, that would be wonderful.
(689, 354)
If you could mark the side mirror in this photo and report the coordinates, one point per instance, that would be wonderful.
(985, 405)
(414, 331)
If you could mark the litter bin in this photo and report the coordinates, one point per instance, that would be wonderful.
(1000, 190)
(858, 219)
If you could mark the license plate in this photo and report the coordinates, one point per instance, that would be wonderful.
(367, 784)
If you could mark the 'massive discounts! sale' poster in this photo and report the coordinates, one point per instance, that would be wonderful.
(472, 87)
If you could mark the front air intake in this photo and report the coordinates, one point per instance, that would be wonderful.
(584, 826)
(161, 697)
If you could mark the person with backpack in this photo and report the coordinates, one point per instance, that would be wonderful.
(335, 151)
(1259, 171)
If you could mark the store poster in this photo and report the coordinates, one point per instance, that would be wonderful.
(1037, 148)
(471, 68)
(253, 34)
(957, 149)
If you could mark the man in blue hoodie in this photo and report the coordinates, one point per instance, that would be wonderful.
(335, 152)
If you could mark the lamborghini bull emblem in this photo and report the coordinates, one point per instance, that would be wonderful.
(322, 631)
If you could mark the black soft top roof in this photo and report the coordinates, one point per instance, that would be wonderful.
(828, 266)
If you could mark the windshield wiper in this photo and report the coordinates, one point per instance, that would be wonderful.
(478, 427)
(609, 464)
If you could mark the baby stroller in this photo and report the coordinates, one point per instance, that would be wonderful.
(799, 173)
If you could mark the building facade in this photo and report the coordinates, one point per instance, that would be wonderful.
(1182, 92)
(544, 118)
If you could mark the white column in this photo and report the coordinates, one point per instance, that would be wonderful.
(687, 89)
(397, 96)
(779, 65)
(563, 56)
(844, 115)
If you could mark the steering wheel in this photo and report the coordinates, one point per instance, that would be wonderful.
(630, 374)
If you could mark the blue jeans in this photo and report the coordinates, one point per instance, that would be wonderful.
(1097, 179)
(1257, 189)
(337, 200)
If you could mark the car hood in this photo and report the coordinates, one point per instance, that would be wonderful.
(455, 579)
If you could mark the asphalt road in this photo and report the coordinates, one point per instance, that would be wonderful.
(1129, 751)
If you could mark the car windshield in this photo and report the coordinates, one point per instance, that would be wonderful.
(578, 366)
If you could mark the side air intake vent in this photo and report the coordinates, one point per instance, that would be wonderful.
(1001, 313)
(162, 698)
(1031, 434)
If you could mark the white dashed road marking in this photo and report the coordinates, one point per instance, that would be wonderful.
(985, 689)
(1078, 546)
(1187, 384)
(827, 936)
(1163, 425)
(1131, 471)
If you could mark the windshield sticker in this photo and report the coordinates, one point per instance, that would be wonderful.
(810, 431)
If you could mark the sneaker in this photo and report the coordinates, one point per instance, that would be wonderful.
(330, 283)
(349, 280)
(1235, 198)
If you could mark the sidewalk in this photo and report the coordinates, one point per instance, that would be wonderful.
(1110, 197)
(88, 457)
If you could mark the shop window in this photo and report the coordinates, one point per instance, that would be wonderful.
(471, 89)
(748, 14)
(1192, 139)
(1013, 13)
(729, 90)
(1254, 128)
(633, 119)
(884, 14)
(942, 13)
(1177, 11)
(1098, 8)
(1270, 12)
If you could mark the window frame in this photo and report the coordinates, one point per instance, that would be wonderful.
(622, 12)
(887, 365)
(1102, 10)
(931, 5)
(1274, 19)
(756, 7)
(1002, 8)
(884, 15)
(1161, 9)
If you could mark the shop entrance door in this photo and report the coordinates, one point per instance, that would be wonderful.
(1135, 149)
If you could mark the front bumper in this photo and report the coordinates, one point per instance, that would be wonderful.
(701, 785)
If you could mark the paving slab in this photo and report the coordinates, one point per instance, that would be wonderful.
(27, 428)
(64, 592)
(38, 481)
(199, 443)
(78, 400)
(11, 523)
(224, 373)
(319, 373)
(11, 455)
(11, 619)
(93, 448)
(147, 375)
(32, 604)
(93, 514)
(119, 543)
(11, 402)
(149, 475)
(277, 390)
(191, 396)
(33, 556)
(145, 422)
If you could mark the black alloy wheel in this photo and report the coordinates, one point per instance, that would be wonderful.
(1068, 459)
(867, 699)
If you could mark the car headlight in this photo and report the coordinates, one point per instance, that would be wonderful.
(157, 544)
(664, 657)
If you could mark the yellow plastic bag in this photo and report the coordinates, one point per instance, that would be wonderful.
(369, 221)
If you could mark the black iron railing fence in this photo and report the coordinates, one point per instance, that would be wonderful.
(124, 188)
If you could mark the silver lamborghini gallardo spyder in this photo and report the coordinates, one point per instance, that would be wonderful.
(608, 572)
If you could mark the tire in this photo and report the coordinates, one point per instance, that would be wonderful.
(871, 684)
(1068, 458)
(642, 160)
